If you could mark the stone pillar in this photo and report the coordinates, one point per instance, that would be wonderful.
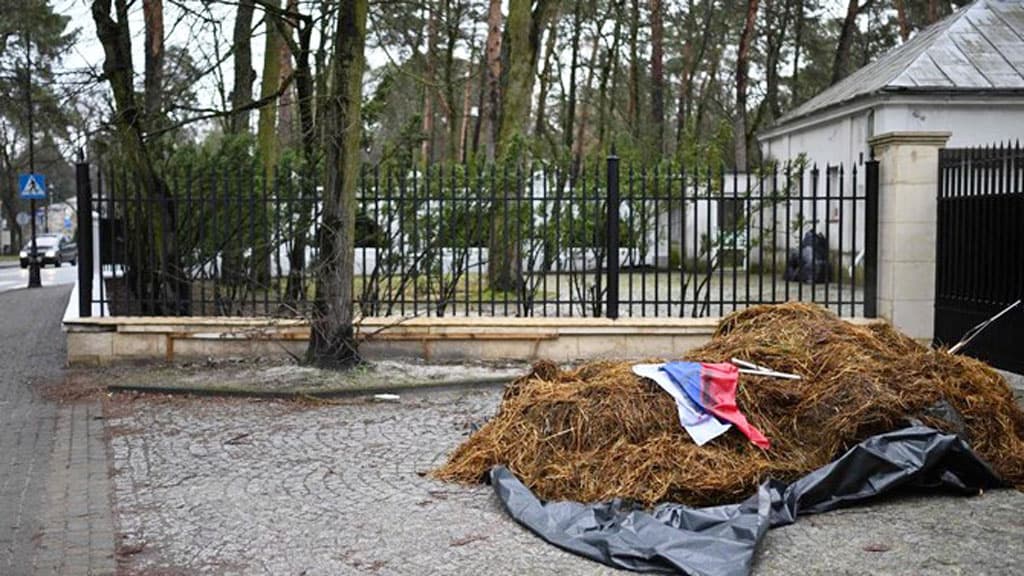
(908, 166)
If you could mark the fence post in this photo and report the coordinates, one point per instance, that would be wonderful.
(871, 239)
(83, 242)
(612, 237)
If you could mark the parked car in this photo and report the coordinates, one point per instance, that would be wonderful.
(51, 249)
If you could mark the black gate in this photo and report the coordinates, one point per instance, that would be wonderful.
(980, 251)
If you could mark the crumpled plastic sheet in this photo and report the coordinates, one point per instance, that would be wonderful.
(722, 540)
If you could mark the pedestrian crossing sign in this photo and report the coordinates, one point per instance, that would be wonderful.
(32, 186)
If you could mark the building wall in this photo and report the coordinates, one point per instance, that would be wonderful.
(841, 136)
(970, 123)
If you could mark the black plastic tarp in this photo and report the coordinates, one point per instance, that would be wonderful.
(722, 540)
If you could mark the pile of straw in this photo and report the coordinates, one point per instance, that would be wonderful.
(599, 432)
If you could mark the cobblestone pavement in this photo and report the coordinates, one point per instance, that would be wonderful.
(243, 487)
(54, 494)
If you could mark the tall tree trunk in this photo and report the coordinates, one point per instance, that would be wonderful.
(574, 64)
(901, 18)
(634, 70)
(581, 128)
(427, 145)
(691, 61)
(266, 137)
(522, 39)
(332, 341)
(798, 43)
(742, 66)
(492, 85)
(841, 63)
(153, 17)
(164, 290)
(540, 126)
(776, 37)
(304, 89)
(286, 117)
(241, 93)
(452, 22)
(467, 93)
(657, 78)
(607, 75)
(522, 34)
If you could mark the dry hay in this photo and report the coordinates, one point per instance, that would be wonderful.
(598, 431)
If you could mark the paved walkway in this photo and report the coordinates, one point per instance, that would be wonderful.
(54, 493)
(247, 487)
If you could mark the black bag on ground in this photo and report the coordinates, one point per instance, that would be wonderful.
(809, 264)
(722, 540)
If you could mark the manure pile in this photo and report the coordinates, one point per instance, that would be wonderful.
(598, 431)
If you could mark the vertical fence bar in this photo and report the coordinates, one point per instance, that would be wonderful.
(111, 216)
(682, 240)
(83, 192)
(631, 236)
(871, 239)
(612, 237)
(815, 174)
(853, 241)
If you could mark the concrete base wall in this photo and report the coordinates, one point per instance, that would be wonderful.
(105, 340)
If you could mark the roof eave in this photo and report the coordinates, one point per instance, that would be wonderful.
(836, 110)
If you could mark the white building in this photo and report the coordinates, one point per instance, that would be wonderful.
(963, 75)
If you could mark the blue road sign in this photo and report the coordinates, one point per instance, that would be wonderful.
(32, 186)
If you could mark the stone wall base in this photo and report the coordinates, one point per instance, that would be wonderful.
(93, 341)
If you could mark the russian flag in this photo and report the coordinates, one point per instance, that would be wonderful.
(713, 388)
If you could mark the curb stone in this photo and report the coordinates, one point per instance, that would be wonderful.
(297, 393)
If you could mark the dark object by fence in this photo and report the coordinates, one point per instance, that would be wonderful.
(980, 251)
(722, 540)
(810, 263)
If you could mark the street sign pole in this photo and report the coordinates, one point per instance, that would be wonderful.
(34, 280)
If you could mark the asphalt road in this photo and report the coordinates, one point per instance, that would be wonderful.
(13, 277)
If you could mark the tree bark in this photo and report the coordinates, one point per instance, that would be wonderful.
(574, 64)
(241, 92)
(841, 64)
(522, 39)
(492, 86)
(634, 71)
(657, 79)
(798, 37)
(581, 128)
(266, 137)
(153, 17)
(286, 117)
(332, 341)
(522, 34)
(427, 144)
(452, 22)
(540, 126)
(164, 290)
(742, 66)
(901, 18)
(691, 62)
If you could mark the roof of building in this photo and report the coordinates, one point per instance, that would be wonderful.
(980, 47)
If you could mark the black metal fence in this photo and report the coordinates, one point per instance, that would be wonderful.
(980, 250)
(609, 239)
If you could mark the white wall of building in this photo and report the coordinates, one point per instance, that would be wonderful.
(841, 136)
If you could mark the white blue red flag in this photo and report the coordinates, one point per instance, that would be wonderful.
(713, 388)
